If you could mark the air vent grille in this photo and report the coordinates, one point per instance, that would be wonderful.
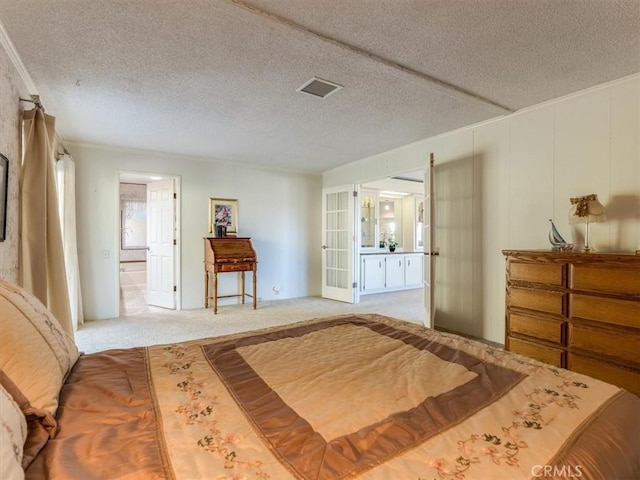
(408, 179)
(319, 88)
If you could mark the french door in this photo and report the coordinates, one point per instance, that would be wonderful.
(430, 251)
(339, 244)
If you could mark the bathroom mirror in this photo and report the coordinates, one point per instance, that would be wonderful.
(133, 224)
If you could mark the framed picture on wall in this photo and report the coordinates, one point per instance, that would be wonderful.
(223, 216)
(4, 186)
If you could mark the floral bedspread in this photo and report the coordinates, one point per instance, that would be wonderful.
(356, 396)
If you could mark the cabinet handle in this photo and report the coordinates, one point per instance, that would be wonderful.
(399, 263)
(379, 263)
(408, 263)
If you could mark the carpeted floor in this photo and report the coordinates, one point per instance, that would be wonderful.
(145, 325)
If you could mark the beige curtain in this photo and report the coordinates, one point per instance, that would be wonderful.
(42, 266)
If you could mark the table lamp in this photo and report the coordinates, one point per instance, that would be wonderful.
(587, 209)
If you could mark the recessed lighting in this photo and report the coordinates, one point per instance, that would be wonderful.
(392, 194)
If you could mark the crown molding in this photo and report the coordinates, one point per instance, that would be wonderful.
(12, 53)
(634, 77)
(554, 101)
(580, 93)
(157, 154)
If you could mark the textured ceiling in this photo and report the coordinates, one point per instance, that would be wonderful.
(218, 78)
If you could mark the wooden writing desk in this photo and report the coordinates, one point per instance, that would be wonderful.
(228, 254)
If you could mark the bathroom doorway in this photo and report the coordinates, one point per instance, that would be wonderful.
(137, 291)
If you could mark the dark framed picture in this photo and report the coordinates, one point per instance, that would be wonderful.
(4, 186)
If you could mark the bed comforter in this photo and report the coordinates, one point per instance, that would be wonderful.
(357, 396)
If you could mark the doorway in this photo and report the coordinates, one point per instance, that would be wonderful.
(138, 283)
(390, 230)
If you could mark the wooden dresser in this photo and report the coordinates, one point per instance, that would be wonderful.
(228, 254)
(579, 311)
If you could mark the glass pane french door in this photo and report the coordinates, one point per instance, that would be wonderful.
(430, 251)
(338, 243)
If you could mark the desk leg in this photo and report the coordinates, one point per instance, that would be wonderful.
(215, 292)
(242, 287)
(206, 288)
(255, 298)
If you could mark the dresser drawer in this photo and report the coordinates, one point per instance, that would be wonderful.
(552, 356)
(626, 378)
(542, 328)
(609, 310)
(235, 267)
(547, 274)
(539, 300)
(613, 343)
(605, 279)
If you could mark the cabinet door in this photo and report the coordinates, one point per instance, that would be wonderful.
(372, 272)
(368, 220)
(413, 270)
(394, 275)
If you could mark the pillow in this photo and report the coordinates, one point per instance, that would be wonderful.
(36, 355)
(41, 426)
(13, 433)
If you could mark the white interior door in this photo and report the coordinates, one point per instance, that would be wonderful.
(338, 243)
(161, 215)
(430, 251)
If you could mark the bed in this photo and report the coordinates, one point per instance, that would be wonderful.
(351, 396)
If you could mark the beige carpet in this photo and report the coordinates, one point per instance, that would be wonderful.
(145, 325)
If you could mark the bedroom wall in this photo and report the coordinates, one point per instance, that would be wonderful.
(498, 183)
(278, 210)
(12, 88)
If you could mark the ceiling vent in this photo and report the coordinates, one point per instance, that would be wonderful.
(319, 88)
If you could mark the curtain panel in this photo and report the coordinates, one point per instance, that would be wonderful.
(42, 265)
(66, 181)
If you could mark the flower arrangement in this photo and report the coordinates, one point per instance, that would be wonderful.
(388, 240)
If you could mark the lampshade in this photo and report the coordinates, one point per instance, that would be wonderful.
(587, 209)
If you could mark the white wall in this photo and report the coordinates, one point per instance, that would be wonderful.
(498, 183)
(279, 210)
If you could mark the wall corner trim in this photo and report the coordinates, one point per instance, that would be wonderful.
(8, 46)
